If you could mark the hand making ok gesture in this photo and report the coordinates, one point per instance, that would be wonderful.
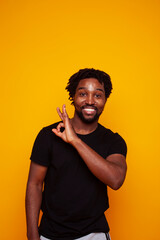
(68, 135)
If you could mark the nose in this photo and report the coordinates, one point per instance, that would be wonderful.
(90, 99)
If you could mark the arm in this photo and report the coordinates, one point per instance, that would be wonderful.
(110, 171)
(34, 198)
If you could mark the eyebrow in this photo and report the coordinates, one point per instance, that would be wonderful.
(99, 89)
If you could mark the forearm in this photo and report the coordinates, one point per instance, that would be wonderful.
(33, 204)
(108, 172)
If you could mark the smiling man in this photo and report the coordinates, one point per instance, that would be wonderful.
(89, 100)
(72, 164)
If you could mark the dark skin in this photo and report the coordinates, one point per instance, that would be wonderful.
(90, 100)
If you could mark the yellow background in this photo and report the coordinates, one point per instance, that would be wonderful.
(42, 44)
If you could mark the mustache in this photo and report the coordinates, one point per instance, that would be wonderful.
(89, 106)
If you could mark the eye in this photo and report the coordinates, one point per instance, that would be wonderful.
(82, 94)
(98, 95)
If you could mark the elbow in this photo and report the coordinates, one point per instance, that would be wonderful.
(34, 185)
(118, 182)
(116, 185)
(33, 189)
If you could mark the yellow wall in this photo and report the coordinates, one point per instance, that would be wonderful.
(44, 42)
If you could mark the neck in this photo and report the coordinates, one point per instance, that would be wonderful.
(82, 127)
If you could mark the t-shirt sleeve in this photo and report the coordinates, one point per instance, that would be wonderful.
(118, 145)
(40, 152)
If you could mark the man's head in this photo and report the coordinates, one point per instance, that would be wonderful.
(101, 76)
(88, 90)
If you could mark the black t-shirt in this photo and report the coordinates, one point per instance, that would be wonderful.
(74, 200)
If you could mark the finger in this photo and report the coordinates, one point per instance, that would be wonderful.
(64, 111)
(59, 126)
(58, 133)
(59, 113)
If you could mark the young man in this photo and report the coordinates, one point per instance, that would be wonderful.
(75, 160)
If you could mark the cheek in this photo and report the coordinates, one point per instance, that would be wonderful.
(77, 104)
(78, 101)
(101, 105)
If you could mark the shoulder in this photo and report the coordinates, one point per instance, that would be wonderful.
(115, 141)
(106, 132)
(50, 127)
(43, 144)
(46, 134)
(47, 130)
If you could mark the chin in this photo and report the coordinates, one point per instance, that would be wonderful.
(88, 120)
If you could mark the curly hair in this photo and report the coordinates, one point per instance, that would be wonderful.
(101, 76)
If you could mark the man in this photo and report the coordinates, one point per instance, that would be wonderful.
(72, 163)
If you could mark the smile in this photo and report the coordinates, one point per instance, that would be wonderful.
(89, 110)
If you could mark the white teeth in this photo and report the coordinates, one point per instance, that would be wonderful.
(89, 109)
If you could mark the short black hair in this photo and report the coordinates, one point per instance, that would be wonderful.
(101, 76)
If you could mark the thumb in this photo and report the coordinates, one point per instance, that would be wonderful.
(58, 133)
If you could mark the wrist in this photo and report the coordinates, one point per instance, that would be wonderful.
(75, 141)
(33, 236)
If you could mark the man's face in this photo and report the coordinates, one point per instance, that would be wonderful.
(89, 100)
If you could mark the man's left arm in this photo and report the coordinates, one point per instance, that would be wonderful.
(111, 171)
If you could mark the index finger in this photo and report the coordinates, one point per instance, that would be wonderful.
(65, 115)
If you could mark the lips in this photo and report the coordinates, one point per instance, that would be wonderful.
(89, 110)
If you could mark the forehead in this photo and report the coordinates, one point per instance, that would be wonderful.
(90, 84)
